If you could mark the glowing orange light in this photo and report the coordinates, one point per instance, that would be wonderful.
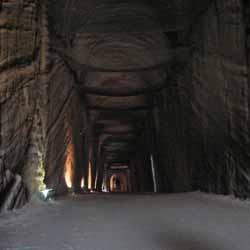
(90, 177)
(82, 182)
(68, 172)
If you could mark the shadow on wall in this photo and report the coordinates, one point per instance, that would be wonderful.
(13, 193)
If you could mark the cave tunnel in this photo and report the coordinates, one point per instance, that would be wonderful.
(123, 102)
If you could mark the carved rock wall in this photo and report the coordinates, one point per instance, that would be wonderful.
(23, 61)
(212, 109)
(65, 127)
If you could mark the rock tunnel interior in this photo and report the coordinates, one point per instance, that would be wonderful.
(133, 96)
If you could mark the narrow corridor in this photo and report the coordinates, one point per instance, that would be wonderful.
(139, 108)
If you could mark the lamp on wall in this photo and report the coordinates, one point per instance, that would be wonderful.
(46, 193)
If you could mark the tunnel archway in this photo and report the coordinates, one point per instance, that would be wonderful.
(119, 182)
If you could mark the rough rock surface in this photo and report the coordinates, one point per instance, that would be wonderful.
(23, 42)
(208, 139)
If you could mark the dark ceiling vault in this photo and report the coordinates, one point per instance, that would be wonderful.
(158, 86)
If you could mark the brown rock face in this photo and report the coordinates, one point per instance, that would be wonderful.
(22, 97)
(158, 88)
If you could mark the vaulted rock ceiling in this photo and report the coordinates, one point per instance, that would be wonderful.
(89, 85)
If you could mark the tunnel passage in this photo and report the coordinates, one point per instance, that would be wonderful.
(119, 182)
(87, 86)
(114, 78)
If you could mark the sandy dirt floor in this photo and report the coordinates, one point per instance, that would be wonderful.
(191, 221)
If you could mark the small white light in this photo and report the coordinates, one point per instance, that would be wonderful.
(45, 192)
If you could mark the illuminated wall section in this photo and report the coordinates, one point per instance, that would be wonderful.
(69, 167)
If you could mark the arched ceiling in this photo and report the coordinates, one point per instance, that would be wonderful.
(119, 52)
